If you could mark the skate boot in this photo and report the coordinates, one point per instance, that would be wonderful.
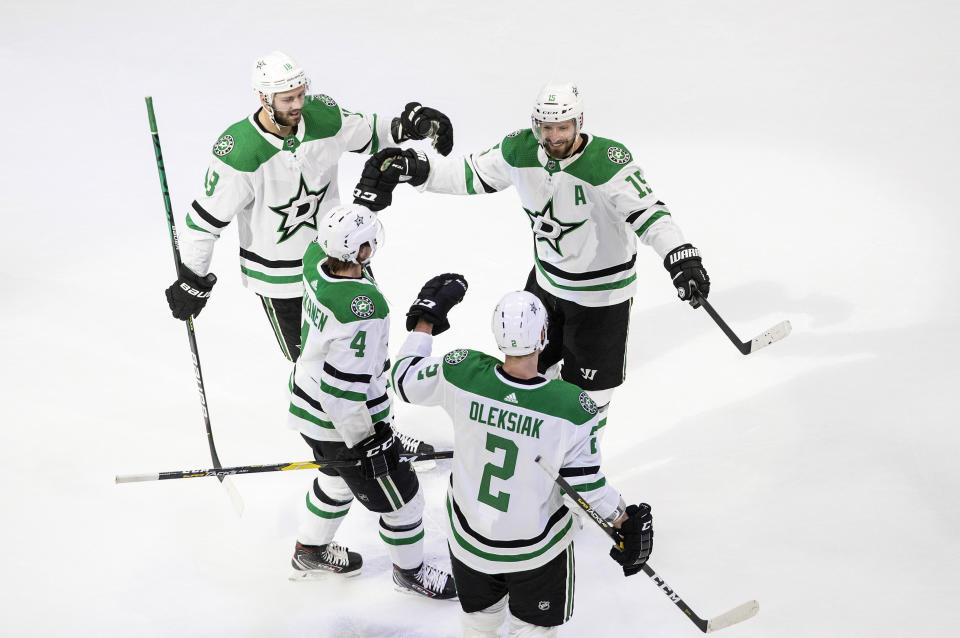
(313, 560)
(413, 445)
(425, 580)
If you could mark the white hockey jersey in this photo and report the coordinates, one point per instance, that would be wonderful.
(503, 512)
(277, 189)
(586, 211)
(338, 388)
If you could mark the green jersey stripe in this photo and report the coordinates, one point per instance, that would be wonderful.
(610, 286)
(380, 416)
(342, 394)
(469, 177)
(192, 225)
(306, 416)
(501, 558)
(650, 221)
(589, 487)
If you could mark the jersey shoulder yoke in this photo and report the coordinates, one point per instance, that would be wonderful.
(243, 148)
(519, 149)
(321, 117)
(600, 161)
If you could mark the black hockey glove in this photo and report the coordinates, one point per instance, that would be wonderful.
(435, 300)
(636, 535)
(419, 122)
(689, 275)
(188, 295)
(379, 453)
(375, 188)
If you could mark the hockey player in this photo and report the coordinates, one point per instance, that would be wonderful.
(510, 535)
(276, 173)
(588, 203)
(340, 404)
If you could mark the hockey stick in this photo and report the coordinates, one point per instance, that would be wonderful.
(737, 614)
(762, 340)
(191, 335)
(221, 472)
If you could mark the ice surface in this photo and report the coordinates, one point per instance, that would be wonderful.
(809, 151)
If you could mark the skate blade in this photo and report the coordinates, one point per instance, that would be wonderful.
(320, 574)
(424, 466)
(410, 592)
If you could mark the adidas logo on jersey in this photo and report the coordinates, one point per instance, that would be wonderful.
(511, 398)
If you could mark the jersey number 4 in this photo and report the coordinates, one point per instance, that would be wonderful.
(502, 500)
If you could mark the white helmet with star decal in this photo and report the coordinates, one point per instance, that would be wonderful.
(519, 324)
(347, 227)
(557, 102)
(277, 72)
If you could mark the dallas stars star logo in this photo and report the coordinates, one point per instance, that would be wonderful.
(548, 228)
(299, 211)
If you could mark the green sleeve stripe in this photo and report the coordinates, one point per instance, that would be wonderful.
(402, 541)
(602, 423)
(611, 286)
(193, 226)
(589, 487)
(271, 279)
(380, 416)
(306, 416)
(652, 219)
(342, 394)
(375, 142)
(319, 512)
(468, 174)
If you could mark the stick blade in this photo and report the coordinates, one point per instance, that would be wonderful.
(235, 499)
(780, 331)
(736, 615)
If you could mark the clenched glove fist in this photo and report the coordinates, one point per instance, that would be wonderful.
(379, 453)
(384, 170)
(435, 300)
(189, 293)
(418, 122)
(636, 534)
(689, 276)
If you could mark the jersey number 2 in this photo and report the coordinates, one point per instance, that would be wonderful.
(502, 500)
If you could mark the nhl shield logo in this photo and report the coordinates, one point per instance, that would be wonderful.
(456, 356)
(543, 605)
(223, 146)
(362, 306)
(618, 155)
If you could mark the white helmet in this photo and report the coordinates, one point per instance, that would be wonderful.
(519, 324)
(347, 227)
(557, 102)
(277, 72)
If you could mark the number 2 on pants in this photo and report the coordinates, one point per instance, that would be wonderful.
(502, 499)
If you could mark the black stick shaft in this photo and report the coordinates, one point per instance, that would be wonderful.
(220, 472)
(611, 531)
(741, 346)
(175, 244)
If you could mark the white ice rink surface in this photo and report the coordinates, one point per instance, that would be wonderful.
(810, 151)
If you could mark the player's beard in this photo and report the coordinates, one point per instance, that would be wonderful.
(284, 118)
(560, 151)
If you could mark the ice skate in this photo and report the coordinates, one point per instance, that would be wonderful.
(311, 561)
(425, 580)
